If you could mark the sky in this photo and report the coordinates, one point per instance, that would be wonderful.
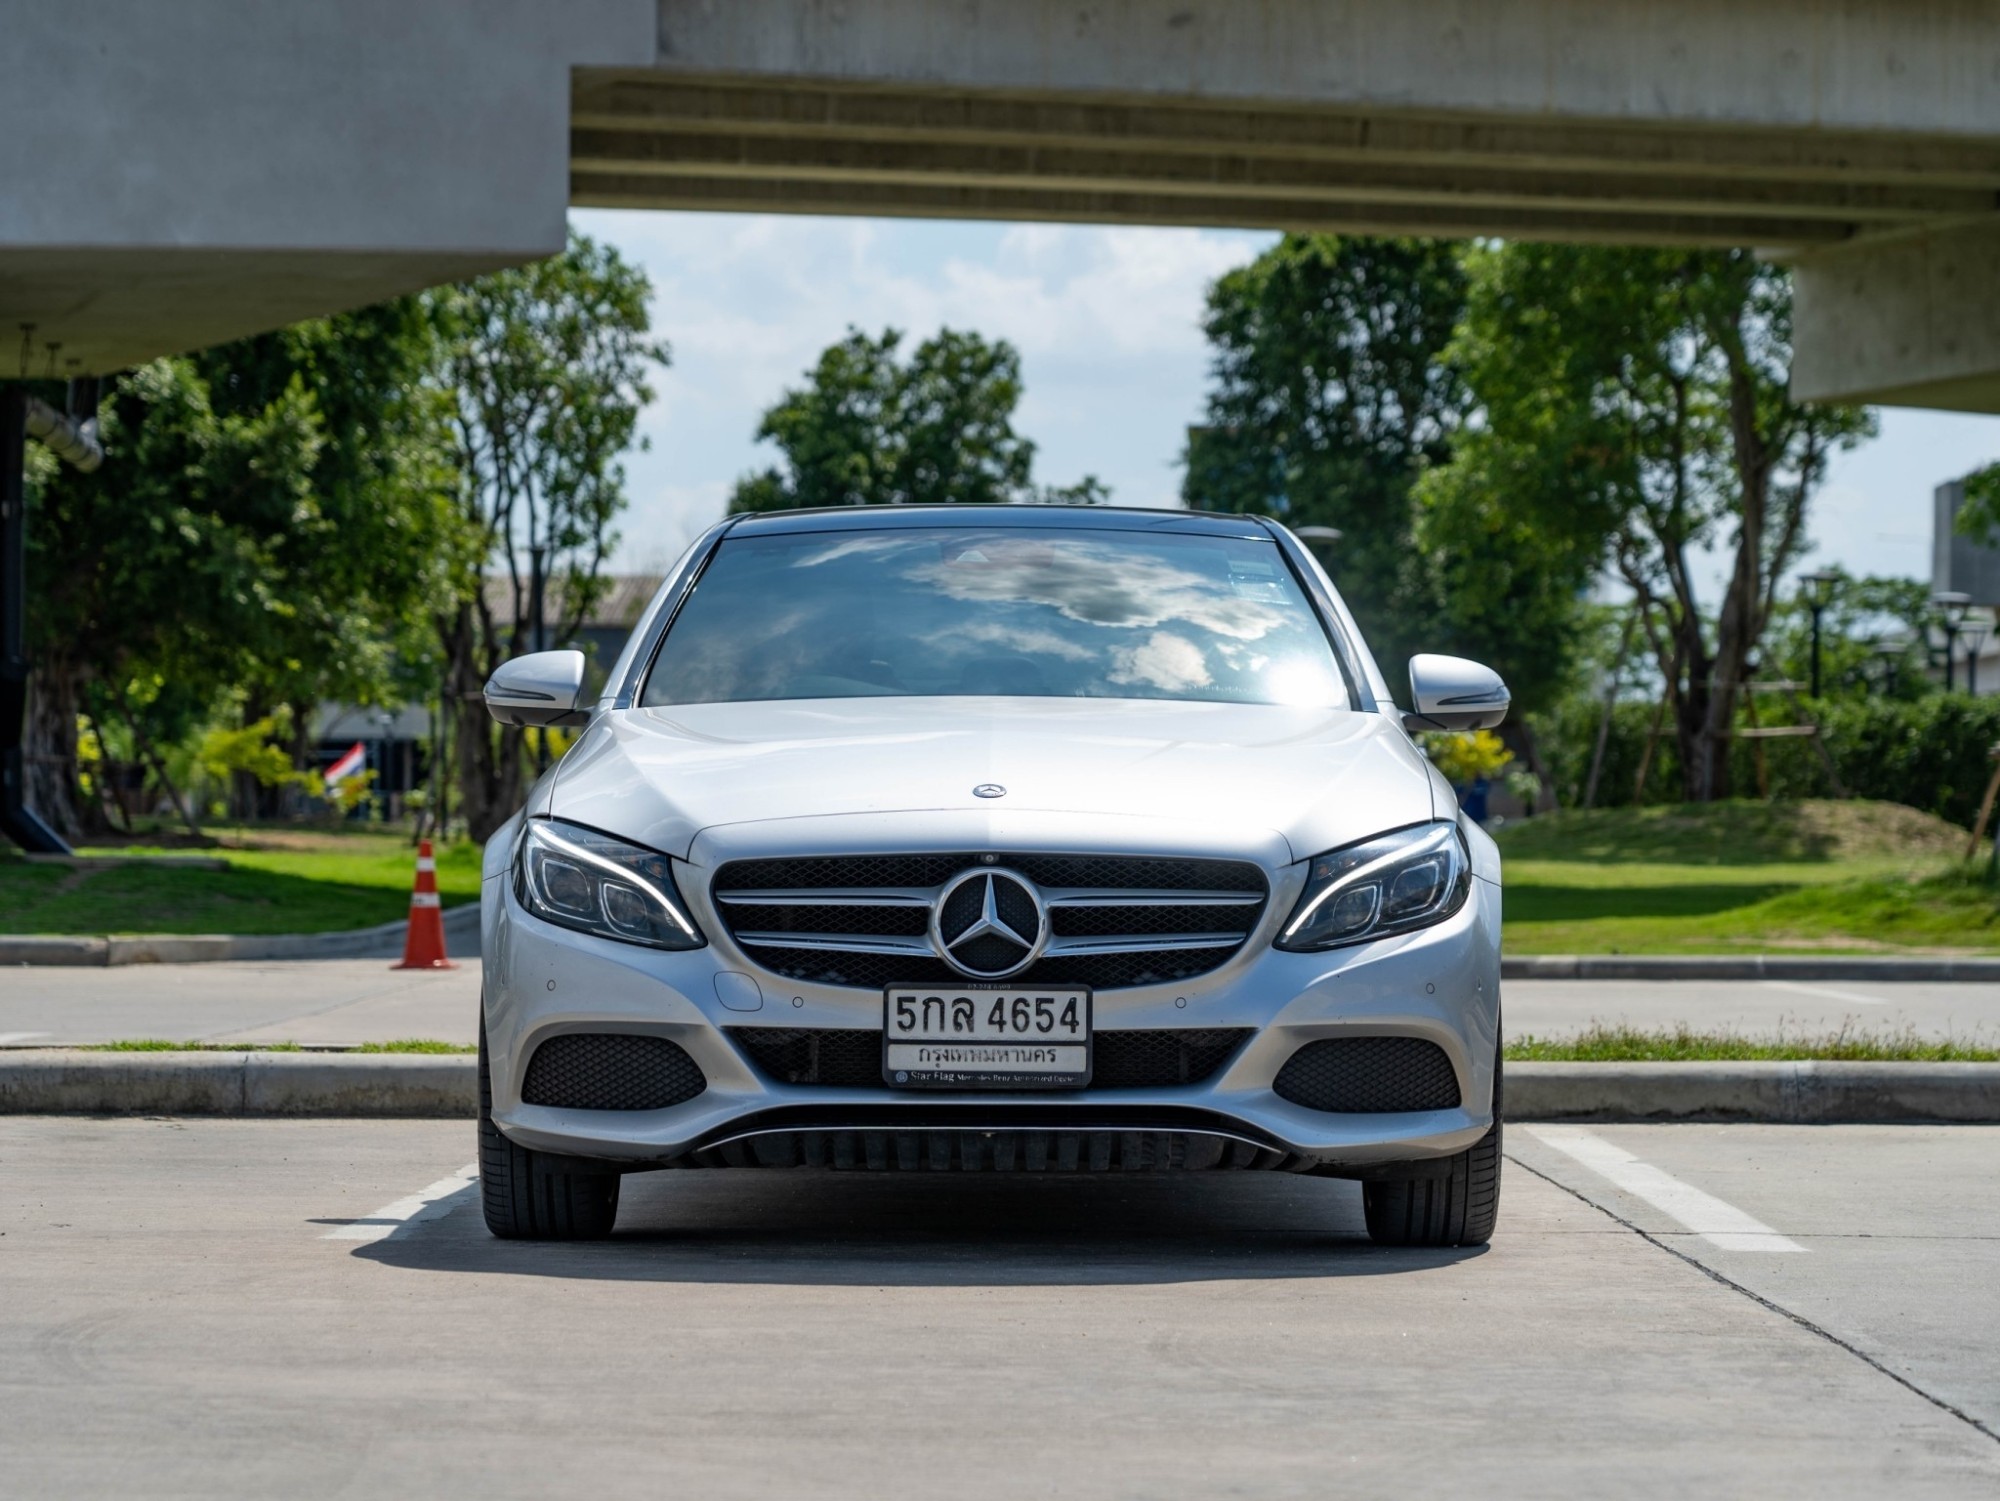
(1107, 321)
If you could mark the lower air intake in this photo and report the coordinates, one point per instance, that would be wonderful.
(1368, 1075)
(851, 1058)
(994, 1151)
(611, 1071)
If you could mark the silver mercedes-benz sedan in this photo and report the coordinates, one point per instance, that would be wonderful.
(1002, 839)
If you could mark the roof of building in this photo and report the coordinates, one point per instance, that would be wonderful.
(621, 599)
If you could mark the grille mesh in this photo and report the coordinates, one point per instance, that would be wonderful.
(1094, 922)
(1226, 924)
(1364, 1075)
(1099, 971)
(1161, 1059)
(871, 922)
(1158, 873)
(851, 1057)
(838, 1057)
(611, 1071)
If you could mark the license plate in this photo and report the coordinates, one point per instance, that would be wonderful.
(943, 1037)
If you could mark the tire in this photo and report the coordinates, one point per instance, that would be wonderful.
(530, 1195)
(1458, 1209)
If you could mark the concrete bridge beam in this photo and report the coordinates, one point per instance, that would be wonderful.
(1905, 320)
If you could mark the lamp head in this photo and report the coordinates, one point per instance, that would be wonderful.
(1950, 606)
(1819, 586)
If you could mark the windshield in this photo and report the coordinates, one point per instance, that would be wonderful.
(1014, 612)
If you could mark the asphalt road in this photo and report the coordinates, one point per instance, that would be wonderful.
(336, 1001)
(176, 1321)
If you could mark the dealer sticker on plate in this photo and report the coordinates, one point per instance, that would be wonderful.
(940, 1037)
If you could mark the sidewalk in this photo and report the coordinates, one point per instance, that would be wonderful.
(320, 1001)
(348, 1001)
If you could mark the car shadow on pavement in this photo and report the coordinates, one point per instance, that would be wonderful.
(860, 1229)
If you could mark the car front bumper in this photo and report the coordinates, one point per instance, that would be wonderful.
(1441, 984)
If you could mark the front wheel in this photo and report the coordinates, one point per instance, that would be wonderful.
(1457, 1209)
(529, 1195)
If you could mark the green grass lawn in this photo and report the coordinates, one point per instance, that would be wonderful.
(1601, 1044)
(1745, 877)
(278, 881)
(1731, 878)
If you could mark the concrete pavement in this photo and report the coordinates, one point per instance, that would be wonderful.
(174, 1320)
(306, 1001)
(1559, 1008)
(345, 1001)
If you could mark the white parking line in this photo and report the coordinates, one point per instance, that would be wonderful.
(1851, 997)
(1714, 1221)
(425, 1204)
(8, 1039)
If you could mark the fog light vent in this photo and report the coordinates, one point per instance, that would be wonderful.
(1366, 1075)
(611, 1071)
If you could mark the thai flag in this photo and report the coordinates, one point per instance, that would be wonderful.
(351, 761)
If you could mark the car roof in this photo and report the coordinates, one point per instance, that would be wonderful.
(988, 517)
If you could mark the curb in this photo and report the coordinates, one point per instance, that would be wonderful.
(1796, 1093)
(58, 1081)
(1743, 967)
(460, 923)
(63, 1081)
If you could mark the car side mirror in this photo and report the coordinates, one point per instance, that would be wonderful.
(541, 688)
(1451, 693)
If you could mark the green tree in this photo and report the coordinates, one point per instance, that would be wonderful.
(1500, 585)
(161, 577)
(1634, 409)
(870, 428)
(547, 370)
(1980, 515)
(368, 558)
(1329, 399)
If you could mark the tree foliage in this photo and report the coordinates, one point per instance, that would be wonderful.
(375, 543)
(546, 367)
(1634, 410)
(1329, 399)
(268, 520)
(872, 428)
(161, 577)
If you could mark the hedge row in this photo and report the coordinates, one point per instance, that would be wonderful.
(1929, 753)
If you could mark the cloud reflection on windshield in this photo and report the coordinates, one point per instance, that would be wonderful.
(1098, 585)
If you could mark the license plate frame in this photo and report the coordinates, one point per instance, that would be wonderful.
(982, 1056)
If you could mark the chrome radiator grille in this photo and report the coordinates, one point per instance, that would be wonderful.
(1116, 921)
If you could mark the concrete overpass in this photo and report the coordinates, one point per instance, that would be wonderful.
(173, 175)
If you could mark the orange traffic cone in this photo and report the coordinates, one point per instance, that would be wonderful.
(423, 945)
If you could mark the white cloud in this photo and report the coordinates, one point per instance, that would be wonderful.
(1107, 322)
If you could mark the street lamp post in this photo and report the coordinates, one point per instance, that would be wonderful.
(1974, 630)
(1948, 606)
(1819, 594)
(1891, 653)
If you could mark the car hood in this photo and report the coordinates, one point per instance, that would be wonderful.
(1317, 778)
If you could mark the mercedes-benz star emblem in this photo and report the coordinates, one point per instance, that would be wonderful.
(989, 789)
(989, 924)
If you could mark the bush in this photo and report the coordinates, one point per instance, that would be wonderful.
(1466, 758)
(1929, 753)
(1566, 735)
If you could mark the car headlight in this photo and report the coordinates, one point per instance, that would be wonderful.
(1389, 884)
(578, 878)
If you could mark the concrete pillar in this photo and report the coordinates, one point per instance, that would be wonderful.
(1909, 319)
